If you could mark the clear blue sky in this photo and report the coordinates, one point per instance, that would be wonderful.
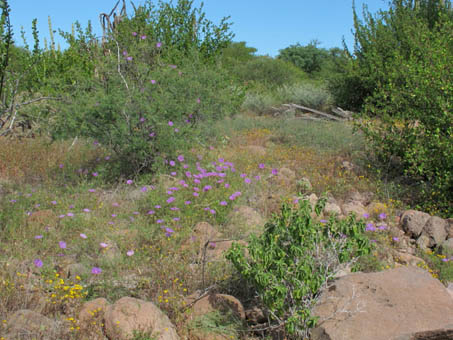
(267, 25)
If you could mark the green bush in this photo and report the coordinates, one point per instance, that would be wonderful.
(399, 78)
(140, 104)
(154, 117)
(305, 93)
(413, 127)
(267, 73)
(293, 259)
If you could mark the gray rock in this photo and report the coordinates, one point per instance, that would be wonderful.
(435, 229)
(27, 324)
(423, 242)
(413, 221)
(449, 227)
(332, 208)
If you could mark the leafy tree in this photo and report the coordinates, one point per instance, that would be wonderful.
(400, 77)
(309, 58)
(236, 53)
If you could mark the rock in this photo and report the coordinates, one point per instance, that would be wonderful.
(449, 227)
(354, 207)
(332, 208)
(203, 231)
(256, 150)
(355, 196)
(27, 324)
(220, 302)
(409, 259)
(304, 185)
(436, 229)
(383, 305)
(227, 305)
(423, 242)
(245, 220)
(129, 314)
(450, 289)
(93, 309)
(446, 247)
(345, 165)
(413, 221)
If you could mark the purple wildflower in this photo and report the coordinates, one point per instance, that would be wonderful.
(96, 270)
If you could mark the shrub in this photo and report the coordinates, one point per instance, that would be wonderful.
(267, 73)
(413, 103)
(307, 94)
(138, 102)
(400, 79)
(293, 259)
(143, 124)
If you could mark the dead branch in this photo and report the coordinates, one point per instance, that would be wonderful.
(316, 112)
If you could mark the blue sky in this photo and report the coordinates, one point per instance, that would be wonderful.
(267, 25)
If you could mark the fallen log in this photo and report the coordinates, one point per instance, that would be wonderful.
(316, 112)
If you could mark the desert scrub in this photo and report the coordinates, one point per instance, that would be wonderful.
(308, 94)
(292, 261)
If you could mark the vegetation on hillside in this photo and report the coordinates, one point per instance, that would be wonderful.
(113, 149)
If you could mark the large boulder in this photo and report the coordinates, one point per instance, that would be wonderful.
(394, 304)
(93, 309)
(413, 221)
(436, 229)
(27, 324)
(450, 227)
(129, 314)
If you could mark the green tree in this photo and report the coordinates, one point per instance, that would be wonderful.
(309, 58)
(400, 77)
